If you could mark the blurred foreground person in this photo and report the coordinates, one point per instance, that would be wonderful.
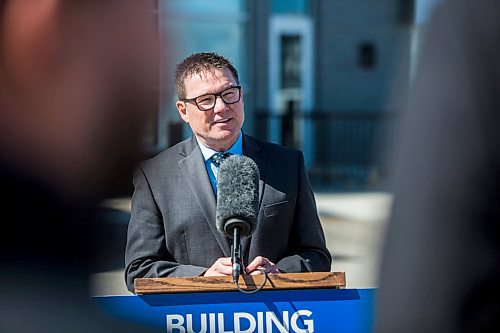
(441, 269)
(77, 78)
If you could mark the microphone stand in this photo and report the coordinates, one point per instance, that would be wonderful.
(236, 254)
(236, 251)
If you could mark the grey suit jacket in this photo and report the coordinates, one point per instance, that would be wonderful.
(172, 230)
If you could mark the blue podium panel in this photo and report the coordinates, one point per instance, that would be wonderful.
(297, 311)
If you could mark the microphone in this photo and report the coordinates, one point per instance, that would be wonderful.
(237, 203)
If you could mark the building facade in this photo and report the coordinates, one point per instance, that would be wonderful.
(318, 75)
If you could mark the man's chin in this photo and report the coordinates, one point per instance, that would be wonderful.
(225, 137)
(225, 134)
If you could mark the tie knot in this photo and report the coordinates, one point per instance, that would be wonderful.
(218, 158)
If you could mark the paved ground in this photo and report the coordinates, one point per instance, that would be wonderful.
(354, 226)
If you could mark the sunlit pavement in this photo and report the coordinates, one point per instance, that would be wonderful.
(354, 225)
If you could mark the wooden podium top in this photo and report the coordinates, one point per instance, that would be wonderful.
(171, 285)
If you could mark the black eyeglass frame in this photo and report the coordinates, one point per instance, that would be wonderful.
(219, 94)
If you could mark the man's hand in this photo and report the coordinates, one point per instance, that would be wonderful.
(220, 268)
(263, 264)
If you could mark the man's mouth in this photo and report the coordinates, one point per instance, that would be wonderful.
(222, 121)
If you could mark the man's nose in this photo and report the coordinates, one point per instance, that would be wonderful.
(220, 105)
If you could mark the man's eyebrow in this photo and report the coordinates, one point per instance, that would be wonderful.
(231, 85)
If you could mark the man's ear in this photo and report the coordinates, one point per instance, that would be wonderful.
(181, 107)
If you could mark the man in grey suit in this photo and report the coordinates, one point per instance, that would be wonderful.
(172, 229)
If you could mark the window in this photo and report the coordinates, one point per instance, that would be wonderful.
(191, 26)
(367, 55)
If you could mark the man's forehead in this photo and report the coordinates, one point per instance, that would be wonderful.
(210, 74)
(209, 77)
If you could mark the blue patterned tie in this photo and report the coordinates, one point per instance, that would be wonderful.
(218, 158)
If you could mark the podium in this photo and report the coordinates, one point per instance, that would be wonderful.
(294, 302)
(248, 282)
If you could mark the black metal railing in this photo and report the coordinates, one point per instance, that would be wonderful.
(350, 149)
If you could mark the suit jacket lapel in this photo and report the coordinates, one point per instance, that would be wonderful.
(252, 149)
(193, 168)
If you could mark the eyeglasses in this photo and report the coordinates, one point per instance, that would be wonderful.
(207, 102)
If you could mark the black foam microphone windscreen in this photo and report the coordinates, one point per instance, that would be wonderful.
(237, 195)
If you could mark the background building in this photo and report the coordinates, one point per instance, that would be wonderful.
(318, 76)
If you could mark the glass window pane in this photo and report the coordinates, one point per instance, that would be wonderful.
(290, 61)
(201, 26)
(225, 38)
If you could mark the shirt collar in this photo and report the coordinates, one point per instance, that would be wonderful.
(236, 148)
